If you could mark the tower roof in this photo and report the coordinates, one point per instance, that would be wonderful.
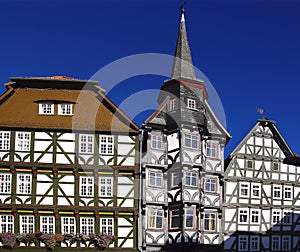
(183, 64)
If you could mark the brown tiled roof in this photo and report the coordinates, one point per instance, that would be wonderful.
(92, 110)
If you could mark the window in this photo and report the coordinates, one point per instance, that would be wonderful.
(275, 242)
(276, 215)
(249, 164)
(191, 179)
(46, 108)
(191, 141)
(189, 218)
(5, 183)
(286, 243)
(210, 185)
(254, 216)
(174, 219)
(243, 216)
(68, 225)
(172, 104)
(107, 226)
(287, 218)
(277, 191)
(106, 144)
(6, 224)
(155, 178)
(65, 109)
(86, 186)
(22, 141)
(155, 219)
(86, 144)
(211, 149)
(105, 186)
(176, 179)
(275, 166)
(24, 183)
(288, 193)
(4, 140)
(244, 190)
(256, 190)
(47, 224)
(209, 221)
(254, 243)
(191, 103)
(86, 225)
(26, 224)
(243, 243)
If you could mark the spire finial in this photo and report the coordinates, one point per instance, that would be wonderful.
(182, 7)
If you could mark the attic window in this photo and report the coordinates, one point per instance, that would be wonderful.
(191, 104)
(46, 108)
(275, 166)
(65, 109)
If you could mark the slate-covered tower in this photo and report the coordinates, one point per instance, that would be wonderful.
(182, 163)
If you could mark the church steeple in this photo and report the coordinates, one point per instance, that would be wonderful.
(183, 64)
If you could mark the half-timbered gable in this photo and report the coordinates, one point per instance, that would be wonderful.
(68, 161)
(261, 193)
(182, 163)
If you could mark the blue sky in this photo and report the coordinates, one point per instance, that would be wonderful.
(248, 49)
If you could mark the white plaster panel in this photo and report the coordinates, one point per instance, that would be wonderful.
(42, 135)
(68, 189)
(42, 145)
(66, 146)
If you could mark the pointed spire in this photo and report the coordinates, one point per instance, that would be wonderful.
(183, 64)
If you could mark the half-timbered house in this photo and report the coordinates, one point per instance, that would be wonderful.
(68, 161)
(262, 193)
(182, 163)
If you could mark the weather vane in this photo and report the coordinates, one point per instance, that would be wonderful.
(261, 111)
(182, 6)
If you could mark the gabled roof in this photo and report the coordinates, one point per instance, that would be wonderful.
(276, 135)
(93, 110)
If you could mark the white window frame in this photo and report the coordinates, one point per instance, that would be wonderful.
(157, 142)
(192, 176)
(6, 223)
(209, 186)
(277, 238)
(276, 216)
(86, 144)
(155, 178)
(277, 189)
(189, 213)
(65, 109)
(23, 141)
(254, 243)
(278, 166)
(5, 183)
(155, 219)
(175, 177)
(191, 104)
(173, 216)
(107, 226)
(244, 189)
(68, 225)
(255, 213)
(87, 225)
(212, 149)
(26, 224)
(47, 224)
(173, 104)
(4, 140)
(249, 162)
(243, 212)
(256, 188)
(105, 186)
(106, 144)
(286, 243)
(287, 218)
(287, 192)
(191, 141)
(211, 218)
(86, 186)
(243, 243)
(24, 181)
(46, 108)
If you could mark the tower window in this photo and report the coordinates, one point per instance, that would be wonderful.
(155, 179)
(173, 104)
(211, 149)
(155, 219)
(191, 104)
(156, 142)
(174, 219)
(191, 141)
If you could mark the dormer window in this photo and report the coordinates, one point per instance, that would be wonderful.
(191, 103)
(46, 108)
(65, 109)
